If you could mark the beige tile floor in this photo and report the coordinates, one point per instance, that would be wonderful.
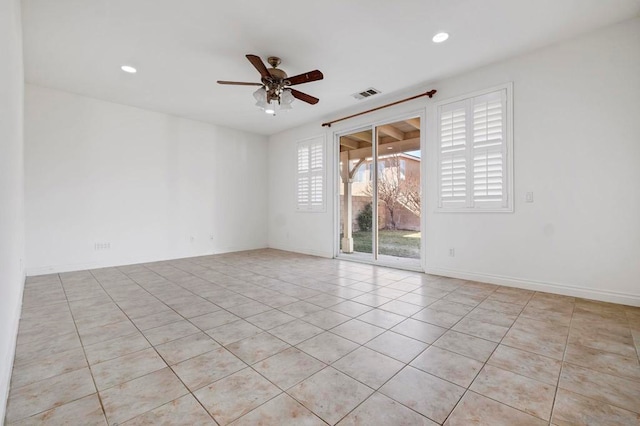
(269, 337)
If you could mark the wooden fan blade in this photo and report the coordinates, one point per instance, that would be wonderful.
(239, 83)
(305, 78)
(304, 97)
(260, 66)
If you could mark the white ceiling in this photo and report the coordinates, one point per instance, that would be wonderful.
(181, 47)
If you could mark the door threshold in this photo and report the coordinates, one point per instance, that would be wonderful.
(383, 260)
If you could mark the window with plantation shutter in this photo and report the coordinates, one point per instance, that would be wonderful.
(474, 149)
(310, 175)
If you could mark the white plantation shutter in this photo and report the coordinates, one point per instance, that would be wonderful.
(489, 122)
(304, 182)
(453, 155)
(310, 176)
(473, 152)
(316, 164)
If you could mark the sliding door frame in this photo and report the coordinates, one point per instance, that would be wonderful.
(373, 126)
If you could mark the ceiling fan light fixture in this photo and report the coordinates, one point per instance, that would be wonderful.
(260, 95)
(286, 98)
(271, 107)
(440, 37)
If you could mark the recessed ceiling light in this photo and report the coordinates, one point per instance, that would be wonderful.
(440, 37)
(129, 69)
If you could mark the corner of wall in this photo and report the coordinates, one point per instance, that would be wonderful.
(7, 363)
(12, 271)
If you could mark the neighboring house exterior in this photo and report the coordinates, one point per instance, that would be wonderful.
(397, 172)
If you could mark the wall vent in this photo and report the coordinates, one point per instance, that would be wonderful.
(366, 93)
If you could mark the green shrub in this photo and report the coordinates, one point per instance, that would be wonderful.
(365, 218)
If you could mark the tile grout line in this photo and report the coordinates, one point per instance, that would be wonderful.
(564, 355)
(95, 385)
(275, 354)
(152, 346)
(592, 369)
(242, 295)
(389, 329)
(326, 365)
(468, 389)
(483, 364)
(119, 306)
(259, 262)
(408, 364)
(66, 303)
(222, 346)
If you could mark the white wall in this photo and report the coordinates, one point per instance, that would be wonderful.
(289, 229)
(11, 189)
(144, 182)
(576, 146)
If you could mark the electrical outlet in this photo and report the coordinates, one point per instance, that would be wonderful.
(452, 252)
(529, 197)
(102, 246)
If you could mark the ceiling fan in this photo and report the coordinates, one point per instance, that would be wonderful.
(275, 91)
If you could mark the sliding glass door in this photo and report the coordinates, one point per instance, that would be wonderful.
(356, 194)
(380, 194)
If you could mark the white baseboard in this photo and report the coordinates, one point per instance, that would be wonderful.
(7, 364)
(557, 288)
(310, 252)
(563, 289)
(56, 269)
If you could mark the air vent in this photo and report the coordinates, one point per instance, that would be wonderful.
(366, 93)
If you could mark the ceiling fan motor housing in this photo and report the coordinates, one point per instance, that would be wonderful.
(276, 84)
(277, 75)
